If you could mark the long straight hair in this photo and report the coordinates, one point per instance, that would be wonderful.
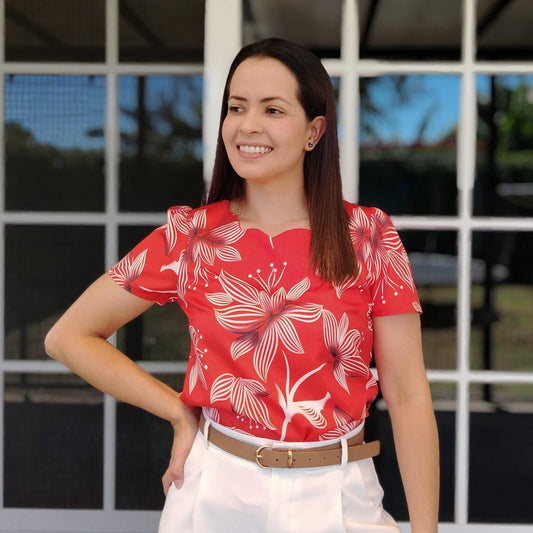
(331, 254)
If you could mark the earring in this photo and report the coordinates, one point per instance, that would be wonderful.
(309, 145)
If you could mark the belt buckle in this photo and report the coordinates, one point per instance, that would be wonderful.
(258, 456)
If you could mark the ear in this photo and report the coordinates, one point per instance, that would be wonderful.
(317, 127)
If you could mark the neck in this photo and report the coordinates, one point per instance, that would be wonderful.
(272, 210)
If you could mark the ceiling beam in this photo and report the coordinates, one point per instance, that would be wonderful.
(128, 14)
(32, 27)
(492, 16)
(365, 35)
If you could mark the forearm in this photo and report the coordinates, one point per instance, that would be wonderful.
(78, 340)
(102, 365)
(416, 442)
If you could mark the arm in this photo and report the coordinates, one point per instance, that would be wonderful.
(79, 341)
(403, 382)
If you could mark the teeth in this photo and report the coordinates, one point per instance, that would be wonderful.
(255, 149)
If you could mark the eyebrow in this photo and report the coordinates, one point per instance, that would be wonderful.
(263, 100)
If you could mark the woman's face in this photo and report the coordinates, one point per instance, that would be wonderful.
(266, 131)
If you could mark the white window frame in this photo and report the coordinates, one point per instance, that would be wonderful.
(222, 40)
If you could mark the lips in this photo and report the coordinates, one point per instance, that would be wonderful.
(254, 149)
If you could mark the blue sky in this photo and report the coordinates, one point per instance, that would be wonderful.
(60, 110)
(431, 96)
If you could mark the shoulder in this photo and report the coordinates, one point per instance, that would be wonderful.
(185, 218)
(365, 216)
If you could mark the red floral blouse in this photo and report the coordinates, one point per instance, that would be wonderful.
(276, 351)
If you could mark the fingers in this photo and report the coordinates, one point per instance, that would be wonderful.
(170, 477)
(184, 435)
(174, 473)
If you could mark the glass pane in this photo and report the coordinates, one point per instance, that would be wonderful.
(408, 143)
(410, 29)
(504, 184)
(504, 30)
(52, 442)
(143, 440)
(54, 142)
(161, 31)
(55, 30)
(47, 267)
(434, 263)
(161, 142)
(501, 468)
(307, 23)
(378, 426)
(159, 334)
(502, 301)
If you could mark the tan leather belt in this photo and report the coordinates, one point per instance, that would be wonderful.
(270, 457)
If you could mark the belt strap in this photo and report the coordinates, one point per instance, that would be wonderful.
(269, 457)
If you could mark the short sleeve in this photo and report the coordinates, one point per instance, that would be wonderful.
(387, 270)
(149, 270)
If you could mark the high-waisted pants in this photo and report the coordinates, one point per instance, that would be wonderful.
(223, 493)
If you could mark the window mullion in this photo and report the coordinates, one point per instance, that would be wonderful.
(111, 233)
(2, 244)
(223, 24)
(465, 178)
(349, 102)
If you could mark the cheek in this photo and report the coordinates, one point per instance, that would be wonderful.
(226, 132)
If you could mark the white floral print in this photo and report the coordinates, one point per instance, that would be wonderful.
(344, 346)
(344, 424)
(202, 247)
(245, 396)
(129, 269)
(196, 369)
(275, 351)
(310, 409)
(262, 319)
(381, 250)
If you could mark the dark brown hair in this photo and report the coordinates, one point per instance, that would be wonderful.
(332, 253)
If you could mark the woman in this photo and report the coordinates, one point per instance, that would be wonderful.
(289, 291)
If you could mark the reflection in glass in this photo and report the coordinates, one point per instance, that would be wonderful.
(47, 267)
(161, 31)
(408, 143)
(504, 30)
(52, 442)
(501, 466)
(410, 29)
(504, 170)
(434, 263)
(143, 440)
(159, 334)
(54, 142)
(161, 142)
(307, 23)
(58, 31)
(502, 302)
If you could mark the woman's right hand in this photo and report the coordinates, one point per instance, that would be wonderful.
(185, 430)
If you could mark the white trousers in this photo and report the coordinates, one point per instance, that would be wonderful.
(226, 494)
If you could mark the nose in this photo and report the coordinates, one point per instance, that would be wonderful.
(251, 122)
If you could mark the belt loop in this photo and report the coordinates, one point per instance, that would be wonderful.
(205, 431)
(344, 447)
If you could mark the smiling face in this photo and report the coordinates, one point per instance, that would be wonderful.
(266, 132)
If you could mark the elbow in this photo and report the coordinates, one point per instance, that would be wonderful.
(52, 343)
